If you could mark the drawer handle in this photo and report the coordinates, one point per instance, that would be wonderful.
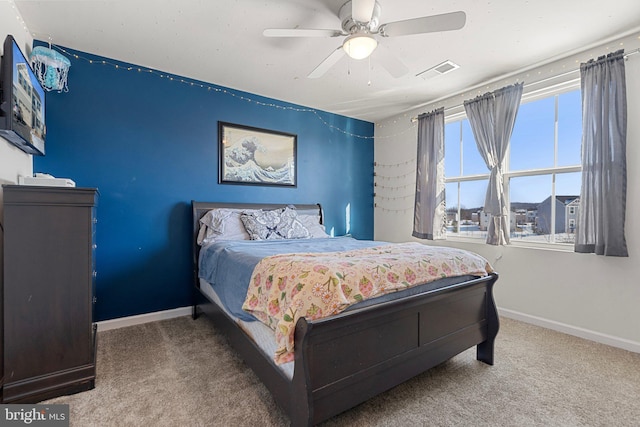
(94, 274)
(94, 246)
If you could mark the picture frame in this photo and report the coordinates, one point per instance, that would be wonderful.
(254, 156)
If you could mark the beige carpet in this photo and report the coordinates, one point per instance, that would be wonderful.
(181, 372)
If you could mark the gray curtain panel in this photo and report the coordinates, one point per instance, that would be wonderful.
(429, 216)
(492, 117)
(601, 215)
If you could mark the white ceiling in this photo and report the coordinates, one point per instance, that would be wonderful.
(221, 42)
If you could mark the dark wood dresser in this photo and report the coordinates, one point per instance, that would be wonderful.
(49, 336)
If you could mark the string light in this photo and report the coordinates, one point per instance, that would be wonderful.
(390, 177)
(394, 187)
(19, 17)
(394, 178)
(392, 165)
(385, 209)
(408, 196)
(211, 87)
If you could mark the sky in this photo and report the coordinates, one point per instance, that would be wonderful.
(532, 147)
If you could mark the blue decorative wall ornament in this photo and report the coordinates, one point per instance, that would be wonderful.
(51, 67)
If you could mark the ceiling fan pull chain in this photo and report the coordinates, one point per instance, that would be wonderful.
(369, 71)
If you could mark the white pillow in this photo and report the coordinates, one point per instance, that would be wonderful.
(222, 224)
(312, 223)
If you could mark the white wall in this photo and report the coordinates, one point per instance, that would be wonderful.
(13, 161)
(587, 295)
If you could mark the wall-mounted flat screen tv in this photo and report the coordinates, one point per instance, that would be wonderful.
(22, 109)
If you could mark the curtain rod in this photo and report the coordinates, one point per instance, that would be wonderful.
(633, 52)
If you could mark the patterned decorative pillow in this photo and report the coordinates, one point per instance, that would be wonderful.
(274, 224)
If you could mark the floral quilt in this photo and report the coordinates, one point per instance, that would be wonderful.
(287, 287)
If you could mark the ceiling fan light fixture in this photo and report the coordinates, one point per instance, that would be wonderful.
(359, 46)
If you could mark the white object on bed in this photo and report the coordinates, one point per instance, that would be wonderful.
(312, 223)
(222, 224)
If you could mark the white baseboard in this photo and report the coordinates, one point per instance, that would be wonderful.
(139, 319)
(572, 330)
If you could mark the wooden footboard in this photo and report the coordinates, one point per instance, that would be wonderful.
(346, 359)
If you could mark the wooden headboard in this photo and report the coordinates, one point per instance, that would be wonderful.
(200, 208)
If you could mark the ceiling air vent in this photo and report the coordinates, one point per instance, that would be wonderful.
(440, 69)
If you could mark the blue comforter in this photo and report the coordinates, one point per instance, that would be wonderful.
(228, 265)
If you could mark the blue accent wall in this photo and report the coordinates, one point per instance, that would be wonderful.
(150, 145)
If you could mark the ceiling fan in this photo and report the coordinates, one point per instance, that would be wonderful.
(361, 25)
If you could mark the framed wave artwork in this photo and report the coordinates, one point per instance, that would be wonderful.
(256, 156)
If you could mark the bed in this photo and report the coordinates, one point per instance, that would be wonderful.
(345, 359)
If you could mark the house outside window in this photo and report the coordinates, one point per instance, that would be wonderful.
(565, 216)
(543, 164)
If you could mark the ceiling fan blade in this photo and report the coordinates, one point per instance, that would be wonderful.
(390, 62)
(427, 24)
(362, 10)
(328, 62)
(300, 32)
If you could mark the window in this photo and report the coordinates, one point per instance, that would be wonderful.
(542, 173)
